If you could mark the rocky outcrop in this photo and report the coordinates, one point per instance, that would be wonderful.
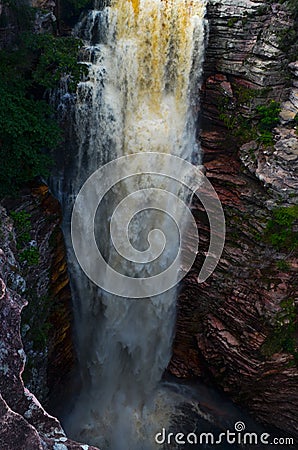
(45, 19)
(15, 17)
(230, 329)
(244, 42)
(277, 165)
(234, 329)
(43, 281)
(289, 108)
(227, 325)
(24, 424)
(33, 274)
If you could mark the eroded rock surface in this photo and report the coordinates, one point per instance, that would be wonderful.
(24, 424)
(277, 165)
(36, 269)
(230, 328)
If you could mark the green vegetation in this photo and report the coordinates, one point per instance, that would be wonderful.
(55, 57)
(268, 119)
(77, 4)
(268, 115)
(257, 123)
(283, 265)
(22, 223)
(22, 226)
(28, 127)
(239, 125)
(283, 336)
(37, 318)
(292, 6)
(21, 14)
(244, 94)
(232, 21)
(31, 255)
(280, 230)
(261, 10)
(36, 327)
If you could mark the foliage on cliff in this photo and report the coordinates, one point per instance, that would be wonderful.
(281, 230)
(28, 251)
(257, 125)
(27, 123)
(27, 127)
(54, 58)
(284, 332)
(76, 5)
(268, 119)
(292, 5)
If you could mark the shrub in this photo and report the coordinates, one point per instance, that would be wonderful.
(292, 6)
(268, 119)
(31, 255)
(288, 42)
(283, 336)
(283, 265)
(29, 130)
(36, 317)
(232, 21)
(22, 225)
(269, 115)
(258, 123)
(54, 58)
(280, 230)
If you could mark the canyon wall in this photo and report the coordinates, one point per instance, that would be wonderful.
(35, 299)
(24, 424)
(239, 328)
(231, 329)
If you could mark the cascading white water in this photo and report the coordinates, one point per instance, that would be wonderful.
(145, 61)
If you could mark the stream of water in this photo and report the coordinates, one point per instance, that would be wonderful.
(144, 60)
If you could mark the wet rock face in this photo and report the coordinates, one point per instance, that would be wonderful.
(227, 328)
(36, 269)
(231, 329)
(24, 424)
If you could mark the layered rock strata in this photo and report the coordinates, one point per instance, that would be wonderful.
(230, 328)
(24, 424)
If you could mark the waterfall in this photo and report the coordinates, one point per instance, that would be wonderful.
(144, 60)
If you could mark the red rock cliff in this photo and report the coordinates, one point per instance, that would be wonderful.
(231, 328)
